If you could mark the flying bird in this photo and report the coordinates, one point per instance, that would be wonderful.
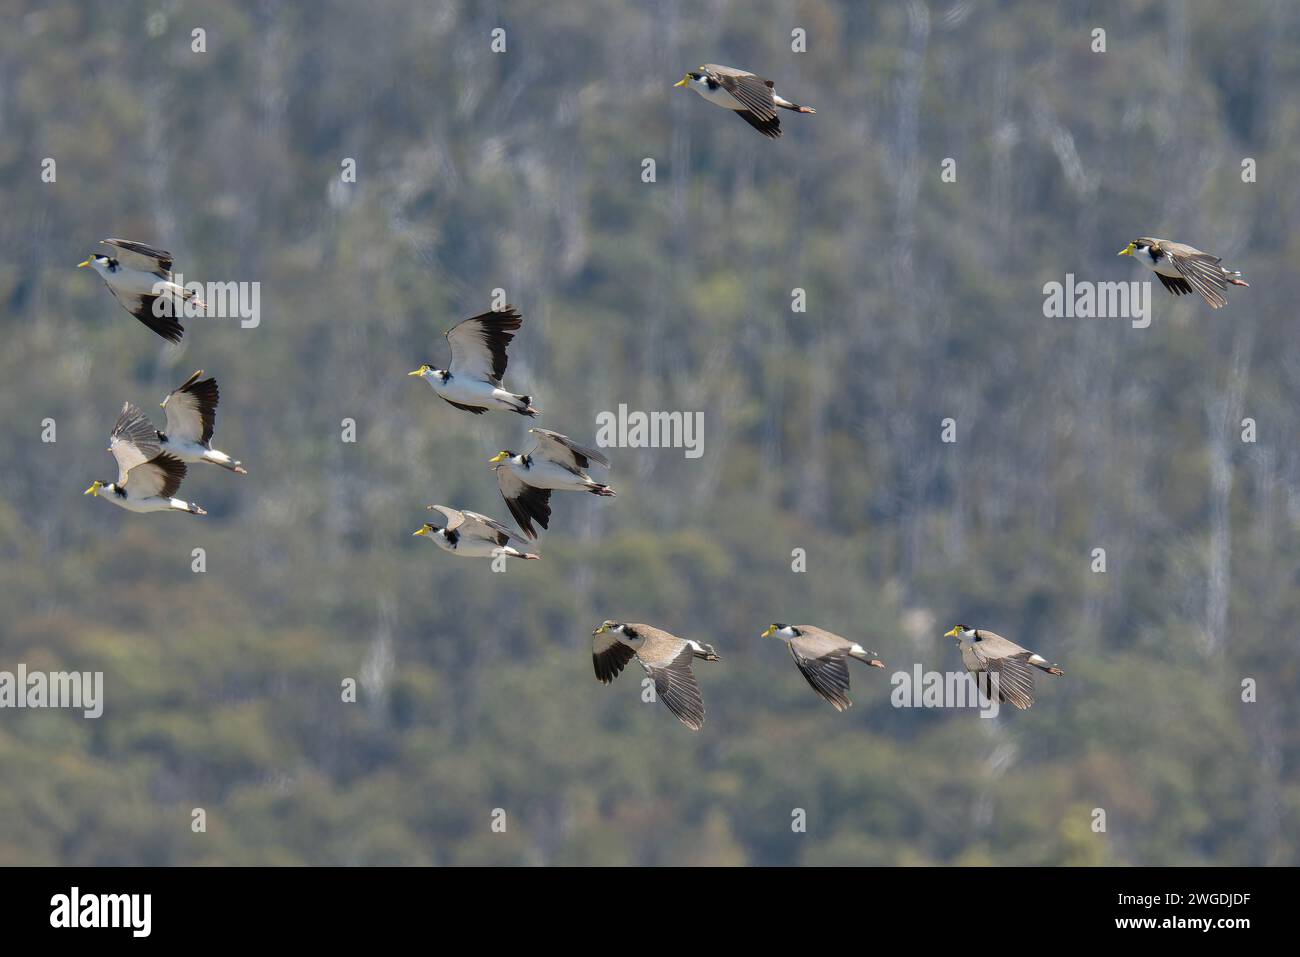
(191, 417)
(822, 658)
(987, 653)
(751, 97)
(473, 535)
(472, 382)
(139, 280)
(147, 477)
(1182, 269)
(556, 464)
(665, 658)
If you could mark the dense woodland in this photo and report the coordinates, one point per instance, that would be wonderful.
(523, 171)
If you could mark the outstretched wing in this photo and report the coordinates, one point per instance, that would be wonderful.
(490, 529)
(1203, 273)
(609, 656)
(192, 410)
(478, 345)
(149, 257)
(562, 449)
(133, 440)
(454, 517)
(753, 91)
(161, 476)
(158, 317)
(828, 674)
(526, 503)
(675, 686)
(770, 127)
(1015, 677)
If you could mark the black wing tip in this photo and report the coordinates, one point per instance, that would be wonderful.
(165, 325)
(769, 128)
(531, 505)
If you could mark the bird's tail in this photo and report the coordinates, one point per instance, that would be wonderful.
(525, 406)
(866, 656)
(225, 461)
(793, 107)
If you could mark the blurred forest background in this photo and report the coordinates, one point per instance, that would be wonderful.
(522, 171)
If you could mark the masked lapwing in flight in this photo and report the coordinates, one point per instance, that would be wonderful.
(556, 464)
(147, 477)
(472, 535)
(751, 97)
(665, 658)
(142, 282)
(472, 381)
(986, 653)
(822, 657)
(191, 417)
(1183, 269)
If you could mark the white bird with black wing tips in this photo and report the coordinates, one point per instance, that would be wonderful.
(147, 477)
(556, 464)
(191, 418)
(142, 282)
(665, 658)
(472, 535)
(822, 658)
(472, 382)
(751, 97)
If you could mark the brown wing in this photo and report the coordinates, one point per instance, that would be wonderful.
(1014, 675)
(828, 674)
(1201, 270)
(675, 683)
(753, 91)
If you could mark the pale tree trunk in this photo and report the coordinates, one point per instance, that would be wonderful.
(1223, 412)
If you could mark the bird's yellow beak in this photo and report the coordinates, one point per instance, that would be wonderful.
(683, 81)
(771, 630)
(86, 263)
(953, 632)
(601, 630)
(93, 490)
(500, 456)
(1126, 251)
(420, 371)
(422, 530)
